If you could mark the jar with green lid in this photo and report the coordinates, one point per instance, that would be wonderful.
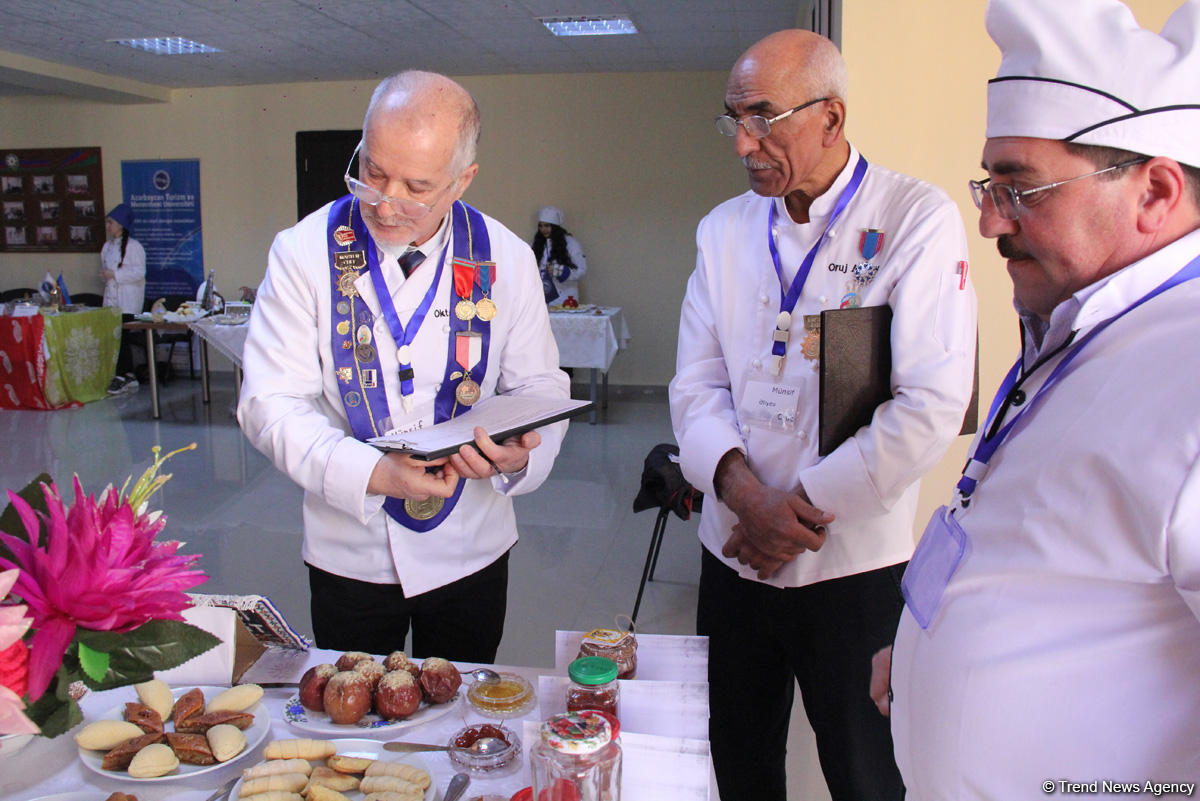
(578, 758)
(593, 685)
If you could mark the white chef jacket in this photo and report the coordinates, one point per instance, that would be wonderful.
(1066, 645)
(570, 286)
(870, 482)
(128, 288)
(291, 405)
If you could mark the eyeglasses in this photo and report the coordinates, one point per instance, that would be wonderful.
(757, 125)
(413, 209)
(1008, 201)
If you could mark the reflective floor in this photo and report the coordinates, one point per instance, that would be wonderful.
(577, 565)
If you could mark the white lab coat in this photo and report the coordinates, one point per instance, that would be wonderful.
(128, 289)
(870, 482)
(291, 406)
(1067, 642)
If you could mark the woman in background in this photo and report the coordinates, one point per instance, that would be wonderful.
(123, 268)
(560, 258)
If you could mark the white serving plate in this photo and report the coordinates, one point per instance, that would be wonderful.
(254, 735)
(317, 723)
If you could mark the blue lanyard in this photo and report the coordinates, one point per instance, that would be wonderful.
(787, 301)
(977, 465)
(402, 335)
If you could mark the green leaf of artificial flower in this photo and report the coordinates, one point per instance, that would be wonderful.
(11, 524)
(135, 655)
(56, 712)
(94, 663)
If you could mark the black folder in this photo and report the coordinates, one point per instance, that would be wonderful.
(856, 373)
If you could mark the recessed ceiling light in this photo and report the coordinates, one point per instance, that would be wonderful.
(588, 26)
(167, 46)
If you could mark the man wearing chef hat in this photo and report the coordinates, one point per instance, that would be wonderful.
(1050, 640)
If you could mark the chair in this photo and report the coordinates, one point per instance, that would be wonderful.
(663, 487)
(87, 299)
(9, 295)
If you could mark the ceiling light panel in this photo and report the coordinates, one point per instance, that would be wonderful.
(589, 26)
(167, 46)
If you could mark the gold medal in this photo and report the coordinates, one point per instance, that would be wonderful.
(346, 284)
(423, 510)
(464, 310)
(343, 327)
(467, 393)
(486, 309)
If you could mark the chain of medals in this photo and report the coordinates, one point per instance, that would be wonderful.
(788, 298)
(467, 349)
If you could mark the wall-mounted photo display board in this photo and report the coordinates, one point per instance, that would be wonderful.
(52, 199)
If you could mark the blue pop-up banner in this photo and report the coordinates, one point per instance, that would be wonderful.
(165, 198)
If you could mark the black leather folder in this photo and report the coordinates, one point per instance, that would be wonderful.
(856, 372)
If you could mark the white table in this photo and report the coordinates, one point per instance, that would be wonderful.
(590, 337)
(229, 340)
(664, 723)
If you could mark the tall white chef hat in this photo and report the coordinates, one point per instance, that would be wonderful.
(1085, 71)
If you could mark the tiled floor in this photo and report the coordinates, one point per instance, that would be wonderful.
(577, 565)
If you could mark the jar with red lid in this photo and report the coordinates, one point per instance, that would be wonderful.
(619, 646)
(593, 685)
(577, 758)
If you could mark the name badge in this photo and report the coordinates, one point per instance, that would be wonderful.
(773, 403)
(932, 565)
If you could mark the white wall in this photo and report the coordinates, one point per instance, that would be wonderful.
(632, 159)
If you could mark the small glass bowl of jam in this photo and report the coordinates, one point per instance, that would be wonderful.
(498, 760)
(510, 697)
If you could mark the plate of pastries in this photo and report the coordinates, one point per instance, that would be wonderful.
(342, 769)
(358, 695)
(165, 734)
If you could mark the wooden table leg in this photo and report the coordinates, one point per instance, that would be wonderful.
(152, 368)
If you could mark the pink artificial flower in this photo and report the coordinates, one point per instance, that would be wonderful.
(99, 569)
(14, 661)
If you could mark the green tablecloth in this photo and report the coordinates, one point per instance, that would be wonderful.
(81, 354)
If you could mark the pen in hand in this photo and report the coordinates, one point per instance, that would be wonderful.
(495, 466)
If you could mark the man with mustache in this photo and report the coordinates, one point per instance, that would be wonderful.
(1051, 636)
(803, 553)
(397, 307)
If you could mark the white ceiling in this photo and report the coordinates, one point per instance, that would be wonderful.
(62, 47)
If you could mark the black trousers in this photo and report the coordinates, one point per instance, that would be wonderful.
(763, 641)
(129, 340)
(462, 621)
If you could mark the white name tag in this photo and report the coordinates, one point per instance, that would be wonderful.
(771, 403)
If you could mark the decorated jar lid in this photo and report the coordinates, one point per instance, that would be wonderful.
(577, 732)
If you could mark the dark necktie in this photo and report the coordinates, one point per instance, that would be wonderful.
(410, 261)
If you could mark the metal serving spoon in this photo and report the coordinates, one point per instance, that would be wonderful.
(484, 746)
(458, 786)
(482, 675)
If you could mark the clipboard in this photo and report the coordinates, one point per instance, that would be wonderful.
(502, 416)
(856, 373)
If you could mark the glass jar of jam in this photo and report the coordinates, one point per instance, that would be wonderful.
(619, 646)
(593, 685)
(577, 759)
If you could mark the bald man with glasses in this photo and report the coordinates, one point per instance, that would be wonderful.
(803, 552)
(397, 307)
